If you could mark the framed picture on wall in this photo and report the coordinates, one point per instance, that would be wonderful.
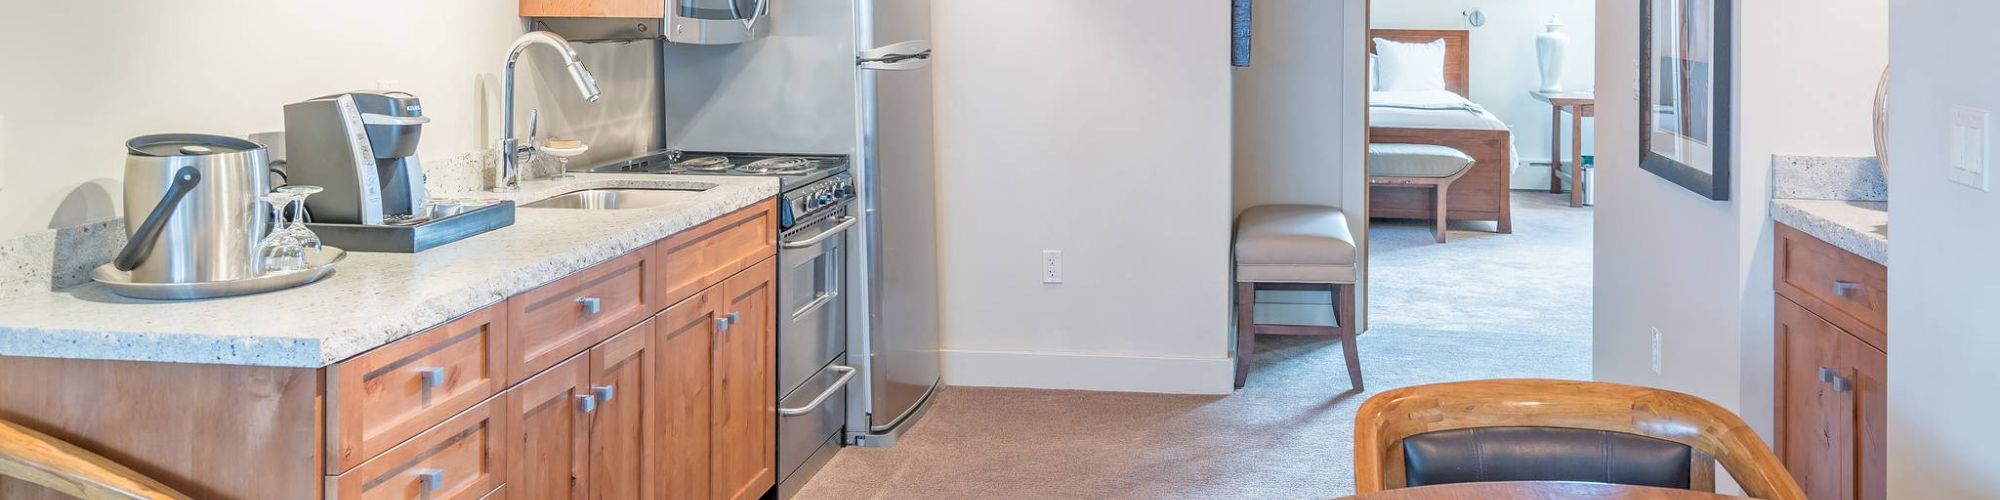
(1684, 93)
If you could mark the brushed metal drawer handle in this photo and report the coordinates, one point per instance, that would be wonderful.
(429, 481)
(591, 305)
(1846, 288)
(605, 392)
(586, 403)
(1832, 376)
(846, 374)
(432, 377)
(721, 325)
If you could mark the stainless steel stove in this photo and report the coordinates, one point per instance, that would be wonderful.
(792, 170)
(812, 185)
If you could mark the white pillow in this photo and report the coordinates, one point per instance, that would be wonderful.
(1410, 66)
(1374, 83)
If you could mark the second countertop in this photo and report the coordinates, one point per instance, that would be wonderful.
(1861, 227)
(372, 298)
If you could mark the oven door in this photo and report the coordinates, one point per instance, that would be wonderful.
(812, 297)
(717, 22)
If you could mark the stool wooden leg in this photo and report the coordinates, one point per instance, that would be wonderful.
(1246, 329)
(1443, 192)
(1344, 300)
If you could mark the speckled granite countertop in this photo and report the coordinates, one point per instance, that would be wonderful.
(1840, 200)
(1861, 227)
(372, 298)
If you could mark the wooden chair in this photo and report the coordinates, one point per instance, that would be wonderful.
(62, 467)
(1385, 421)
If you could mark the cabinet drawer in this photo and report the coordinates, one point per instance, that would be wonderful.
(1848, 290)
(700, 257)
(560, 319)
(382, 397)
(463, 458)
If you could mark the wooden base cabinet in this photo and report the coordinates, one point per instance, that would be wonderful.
(719, 390)
(1831, 371)
(580, 388)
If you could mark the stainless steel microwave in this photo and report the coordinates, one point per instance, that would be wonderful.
(717, 22)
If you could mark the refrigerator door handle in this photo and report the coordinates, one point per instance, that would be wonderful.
(899, 56)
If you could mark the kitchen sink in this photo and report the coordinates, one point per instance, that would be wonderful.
(617, 199)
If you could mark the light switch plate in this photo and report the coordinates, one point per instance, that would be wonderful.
(1971, 149)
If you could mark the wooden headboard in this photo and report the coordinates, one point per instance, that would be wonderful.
(1457, 53)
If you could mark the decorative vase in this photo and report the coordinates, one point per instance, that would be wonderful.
(1550, 47)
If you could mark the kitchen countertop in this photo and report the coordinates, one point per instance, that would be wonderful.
(1861, 227)
(371, 299)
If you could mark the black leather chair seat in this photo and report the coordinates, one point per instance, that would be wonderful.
(1544, 454)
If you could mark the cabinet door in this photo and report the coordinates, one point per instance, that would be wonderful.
(551, 427)
(745, 450)
(684, 337)
(1810, 411)
(621, 378)
(1868, 372)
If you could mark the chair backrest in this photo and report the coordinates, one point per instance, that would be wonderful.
(1386, 419)
(64, 468)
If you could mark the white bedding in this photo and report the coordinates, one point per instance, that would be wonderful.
(1434, 109)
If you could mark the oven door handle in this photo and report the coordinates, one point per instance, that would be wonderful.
(845, 223)
(847, 373)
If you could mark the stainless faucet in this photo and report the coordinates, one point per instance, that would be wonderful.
(512, 155)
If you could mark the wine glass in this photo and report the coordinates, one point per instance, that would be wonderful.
(297, 224)
(280, 251)
(562, 150)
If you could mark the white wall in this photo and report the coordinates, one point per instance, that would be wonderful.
(1504, 65)
(1941, 276)
(83, 77)
(1299, 117)
(1111, 142)
(1700, 270)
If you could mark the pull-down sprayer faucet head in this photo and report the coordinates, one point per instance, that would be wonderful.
(511, 153)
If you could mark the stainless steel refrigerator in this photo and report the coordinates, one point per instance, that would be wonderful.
(899, 229)
(847, 77)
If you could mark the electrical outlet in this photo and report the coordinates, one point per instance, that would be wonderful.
(1657, 347)
(1052, 266)
(1970, 148)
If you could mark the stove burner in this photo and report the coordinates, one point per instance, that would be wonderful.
(787, 165)
(704, 164)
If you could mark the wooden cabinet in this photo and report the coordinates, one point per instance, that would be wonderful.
(382, 397)
(622, 379)
(718, 390)
(579, 388)
(685, 337)
(745, 458)
(698, 258)
(550, 430)
(464, 457)
(653, 9)
(1831, 370)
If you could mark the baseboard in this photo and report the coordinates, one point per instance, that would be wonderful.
(1089, 372)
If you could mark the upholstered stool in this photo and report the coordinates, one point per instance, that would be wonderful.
(1419, 165)
(1294, 247)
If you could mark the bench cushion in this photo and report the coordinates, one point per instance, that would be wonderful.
(1294, 244)
(1416, 160)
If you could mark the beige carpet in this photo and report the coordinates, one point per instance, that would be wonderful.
(1288, 433)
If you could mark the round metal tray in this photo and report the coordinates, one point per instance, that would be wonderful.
(320, 264)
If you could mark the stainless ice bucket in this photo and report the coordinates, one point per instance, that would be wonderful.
(193, 208)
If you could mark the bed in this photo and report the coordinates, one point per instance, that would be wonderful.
(1444, 118)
